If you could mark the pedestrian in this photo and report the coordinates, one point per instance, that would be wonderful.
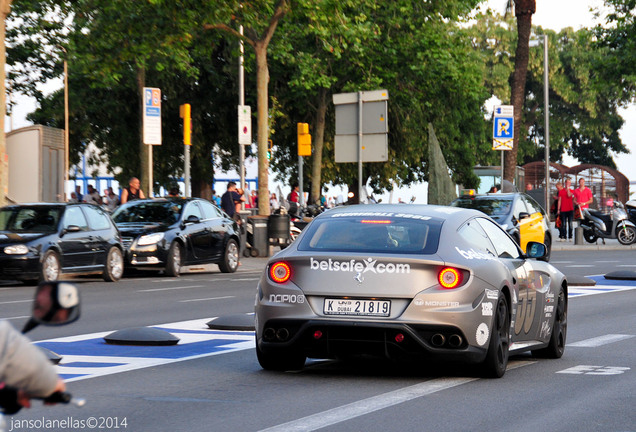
(92, 196)
(555, 199)
(78, 193)
(174, 192)
(231, 200)
(216, 199)
(111, 199)
(273, 201)
(133, 191)
(566, 211)
(73, 198)
(583, 197)
(254, 199)
(294, 194)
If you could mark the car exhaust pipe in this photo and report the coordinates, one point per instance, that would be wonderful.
(438, 339)
(269, 334)
(455, 341)
(282, 334)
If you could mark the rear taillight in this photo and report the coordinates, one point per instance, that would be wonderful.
(449, 278)
(280, 272)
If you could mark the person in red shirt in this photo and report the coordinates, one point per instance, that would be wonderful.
(293, 196)
(583, 195)
(565, 208)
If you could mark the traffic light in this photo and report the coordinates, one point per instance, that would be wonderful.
(184, 113)
(304, 140)
(269, 149)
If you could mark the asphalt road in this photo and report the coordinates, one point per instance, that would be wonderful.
(216, 387)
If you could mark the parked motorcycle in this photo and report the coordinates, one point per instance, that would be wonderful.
(55, 304)
(630, 208)
(615, 225)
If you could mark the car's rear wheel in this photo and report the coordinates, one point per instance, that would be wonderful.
(282, 360)
(230, 261)
(497, 357)
(556, 346)
(51, 267)
(173, 262)
(114, 266)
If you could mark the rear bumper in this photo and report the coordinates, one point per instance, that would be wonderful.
(332, 339)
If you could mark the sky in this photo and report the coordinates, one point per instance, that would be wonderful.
(552, 14)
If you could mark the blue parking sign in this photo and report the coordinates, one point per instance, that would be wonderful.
(503, 128)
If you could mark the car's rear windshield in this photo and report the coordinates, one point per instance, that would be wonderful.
(375, 233)
(165, 212)
(490, 206)
(29, 219)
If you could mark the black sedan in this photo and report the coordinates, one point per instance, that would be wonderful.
(169, 233)
(42, 241)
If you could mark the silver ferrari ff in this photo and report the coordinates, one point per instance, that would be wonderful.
(409, 281)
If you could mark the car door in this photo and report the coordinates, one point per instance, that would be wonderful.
(74, 242)
(100, 233)
(537, 215)
(529, 295)
(218, 225)
(197, 234)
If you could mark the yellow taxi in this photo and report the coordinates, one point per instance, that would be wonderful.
(518, 213)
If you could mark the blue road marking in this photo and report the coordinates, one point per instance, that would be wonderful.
(602, 286)
(89, 356)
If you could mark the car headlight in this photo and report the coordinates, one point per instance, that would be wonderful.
(16, 250)
(149, 239)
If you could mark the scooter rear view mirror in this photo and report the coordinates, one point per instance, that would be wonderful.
(55, 303)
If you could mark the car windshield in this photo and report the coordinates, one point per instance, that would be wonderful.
(411, 234)
(30, 219)
(490, 206)
(165, 212)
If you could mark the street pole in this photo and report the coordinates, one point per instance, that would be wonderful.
(546, 103)
(359, 147)
(300, 182)
(66, 126)
(241, 103)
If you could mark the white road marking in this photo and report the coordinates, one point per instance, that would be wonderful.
(595, 370)
(578, 265)
(17, 301)
(205, 299)
(600, 341)
(171, 288)
(375, 403)
(580, 291)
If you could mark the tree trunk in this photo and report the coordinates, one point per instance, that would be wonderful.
(5, 9)
(523, 11)
(144, 150)
(319, 140)
(262, 80)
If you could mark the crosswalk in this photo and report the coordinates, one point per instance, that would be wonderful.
(89, 356)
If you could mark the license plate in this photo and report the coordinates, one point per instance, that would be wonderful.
(380, 308)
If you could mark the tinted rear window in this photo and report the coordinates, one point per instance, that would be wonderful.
(410, 234)
(490, 206)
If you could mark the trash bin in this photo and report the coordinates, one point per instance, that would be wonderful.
(257, 236)
(278, 230)
(244, 214)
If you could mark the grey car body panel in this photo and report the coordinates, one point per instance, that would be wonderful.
(417, 299)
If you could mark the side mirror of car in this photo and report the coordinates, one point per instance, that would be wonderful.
(72, 228)
(55, 303)
(523, 215)
(536, 250)
(192, 219)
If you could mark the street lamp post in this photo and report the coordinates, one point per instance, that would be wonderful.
(66, 132)
(546, 106)
(546, 102)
